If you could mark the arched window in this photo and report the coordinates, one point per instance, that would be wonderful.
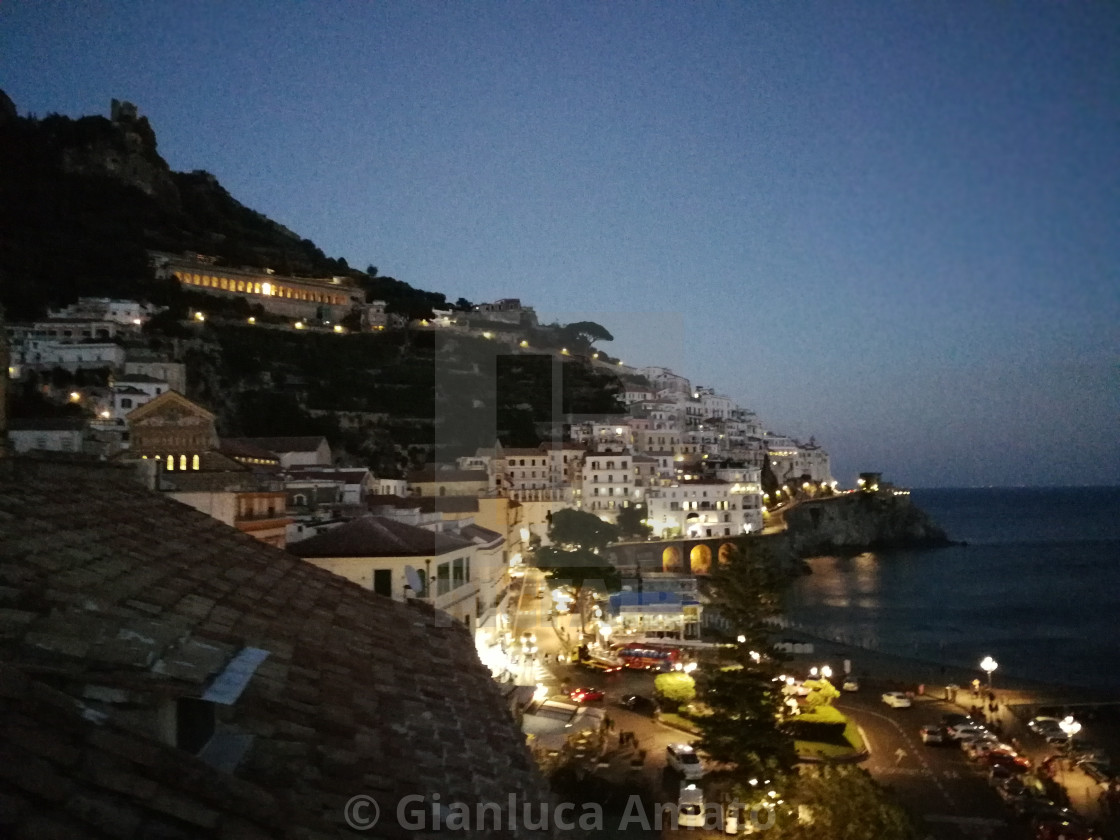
(170, 462)
(194, 462)
(182, 462)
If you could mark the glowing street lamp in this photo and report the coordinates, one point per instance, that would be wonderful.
(1071, 727)
(987, 664)
(826, 672)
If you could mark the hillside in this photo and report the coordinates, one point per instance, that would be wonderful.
(90, 196)
(93, 195)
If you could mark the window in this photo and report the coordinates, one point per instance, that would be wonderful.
(457, 573)
(443, 578)
(182, 462)
(194, 462)
(170, 463)
(126, 402)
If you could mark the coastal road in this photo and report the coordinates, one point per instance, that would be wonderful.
(934, 782)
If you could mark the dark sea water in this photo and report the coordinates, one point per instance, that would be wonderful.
(1037, 587)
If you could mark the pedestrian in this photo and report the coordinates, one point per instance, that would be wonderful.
(899, 754)
(608, 722)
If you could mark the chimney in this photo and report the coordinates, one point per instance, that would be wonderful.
(5, 364)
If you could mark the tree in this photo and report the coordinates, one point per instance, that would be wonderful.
(582, 334)
(631, 521)
(577, 538)
(573, 529)
(675, 688)
(842, 802)
(741, 690)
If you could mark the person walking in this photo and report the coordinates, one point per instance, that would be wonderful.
(899, 754)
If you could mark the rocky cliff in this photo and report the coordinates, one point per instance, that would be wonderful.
(858, 522)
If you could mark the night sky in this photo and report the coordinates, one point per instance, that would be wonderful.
(894, 226)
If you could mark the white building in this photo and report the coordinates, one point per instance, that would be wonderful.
(703, 507)
(46, 353)
(49, 434)
(607, 483)
(128, 313)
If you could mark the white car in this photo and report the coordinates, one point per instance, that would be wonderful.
(896, 700)
(690, 807)
(851, 684)
(965, 734)
(683, 759)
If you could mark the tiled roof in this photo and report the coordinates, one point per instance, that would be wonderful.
(428, 475)
(354, 476)
(377, 536)
(242, 448)
(282, 444)
(425, 504)
(478, 534)
(46, 424)
(115, 601)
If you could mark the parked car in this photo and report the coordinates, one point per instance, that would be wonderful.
(896, 700)
(639, 703)
(585, 695)
(961, 731)
(1014, 763)
(850, 684)
(931, 733)
(1043, 724)
(977, 748)
(690, 807)
(683, 759)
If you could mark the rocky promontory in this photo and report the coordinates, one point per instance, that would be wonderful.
(856, 522)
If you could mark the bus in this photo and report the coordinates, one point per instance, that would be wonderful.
(649, 657)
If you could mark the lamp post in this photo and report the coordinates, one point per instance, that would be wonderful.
(987, 664)
(1071, 727)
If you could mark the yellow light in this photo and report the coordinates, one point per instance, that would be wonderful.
(198, 316)
(252, 320)
(564, 350)
(266, 288)
(299, 325)
(338, 328)
(594, 355)
(75, 396)
(488, 334)
(524, 343)
(105, 415)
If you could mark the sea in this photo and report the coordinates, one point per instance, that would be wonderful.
(1037, 587)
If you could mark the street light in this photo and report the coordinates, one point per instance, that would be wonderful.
(987, 664)
(1071, 727)
(826, 672)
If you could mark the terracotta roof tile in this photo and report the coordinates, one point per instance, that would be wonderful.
(114, 600)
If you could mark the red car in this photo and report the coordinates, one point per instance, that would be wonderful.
(1013, 762)
(585, 695)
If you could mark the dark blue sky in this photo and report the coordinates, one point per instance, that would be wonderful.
(894, 226)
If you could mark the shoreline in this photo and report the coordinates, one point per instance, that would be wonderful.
(908, 672)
